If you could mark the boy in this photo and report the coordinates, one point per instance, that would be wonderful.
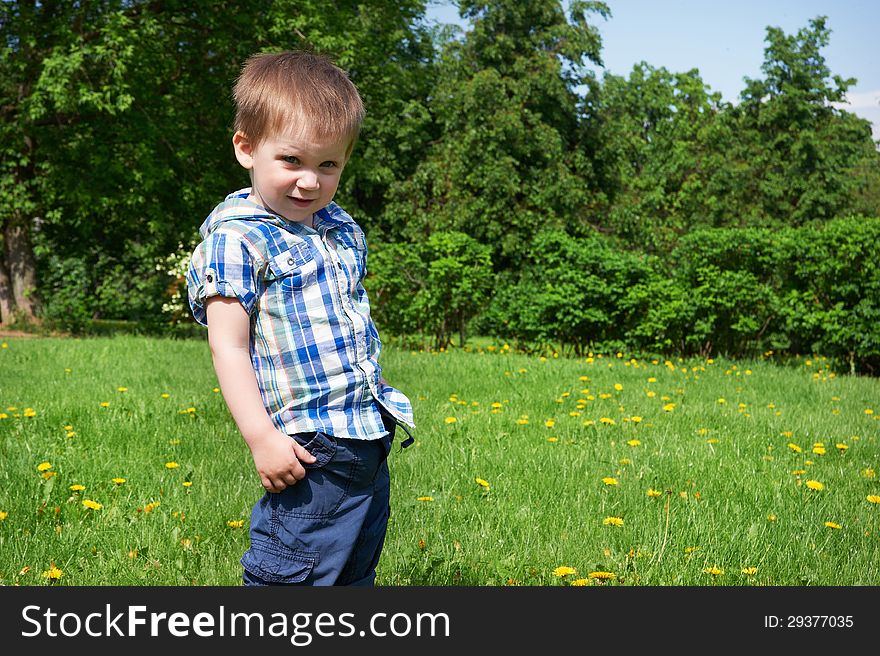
(278, 281)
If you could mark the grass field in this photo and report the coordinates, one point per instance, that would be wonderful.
(626, 471)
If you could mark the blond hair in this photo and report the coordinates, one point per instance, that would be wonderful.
(295, 90)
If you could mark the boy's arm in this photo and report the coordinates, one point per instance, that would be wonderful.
(276, 456)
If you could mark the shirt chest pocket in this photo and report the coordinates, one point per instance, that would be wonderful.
(294, 268)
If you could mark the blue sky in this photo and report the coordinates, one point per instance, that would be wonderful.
(725, 40)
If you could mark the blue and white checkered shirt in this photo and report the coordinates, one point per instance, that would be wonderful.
(314, 346)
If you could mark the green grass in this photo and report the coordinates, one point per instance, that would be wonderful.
(721, 469)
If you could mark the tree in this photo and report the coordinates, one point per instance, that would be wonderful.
(786, 154)
(115, 131)
(647, 138)
(505, 160)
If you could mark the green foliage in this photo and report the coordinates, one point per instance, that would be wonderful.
(504, 187)
(435, 287)
(569, 291)
(505, 160)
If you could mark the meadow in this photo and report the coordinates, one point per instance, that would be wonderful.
(120, 465)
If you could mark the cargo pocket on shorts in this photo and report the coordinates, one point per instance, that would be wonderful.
(326, 484)
(273, 562)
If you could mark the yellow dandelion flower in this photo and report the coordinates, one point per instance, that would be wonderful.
(171, 465)
(712, 440)
(815, 485)
(721, 401)
(771, 517)
(117, 481)
(550, 423)
(522, 422)
(612, 521)
(105, 404)
(608, 480)
(574, 413)
(43, 466)
(841, 446)
(634, 442)
(653, 493)
(150, 507)
(832, 525)
(450, 420)
(564, 571)
(669, 407)
(215, 390)
(690, 550)
(552, 439)
(869, 473)
(869, 411)
(873, 498)
(819, 450)
(808, 462)
(235, 523)
(497, 406)
(650, 394)
(636, 419)
(652, 380)
(165, 395)
(4, 514)
(48, 474)
(53, 573)
(77, 488)
(92, 505)
(750, 571)
(121, 389)
(424, 498)
(607, 421)
(798, 472)
(618, 387)
(602, 576)
(71, 433)
(579, 583)
(794, 447)
(187, 484)
(714, 571)
(30, 412)
(482, 483)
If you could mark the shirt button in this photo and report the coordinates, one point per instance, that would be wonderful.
(209, 278)
(290, 260)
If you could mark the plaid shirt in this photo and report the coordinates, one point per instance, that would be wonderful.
(314, 346)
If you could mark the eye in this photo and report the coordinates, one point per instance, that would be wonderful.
(290, 159)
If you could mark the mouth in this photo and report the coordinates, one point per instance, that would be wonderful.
(301, 202)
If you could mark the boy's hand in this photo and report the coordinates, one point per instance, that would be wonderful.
(278, 459)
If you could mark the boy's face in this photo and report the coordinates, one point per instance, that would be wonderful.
(293, 175)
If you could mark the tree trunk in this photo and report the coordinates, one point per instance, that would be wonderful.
(22, 269)
(7, 300)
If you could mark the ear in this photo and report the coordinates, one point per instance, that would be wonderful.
(244, 150)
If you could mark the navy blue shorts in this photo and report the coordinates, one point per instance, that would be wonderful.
(328, 528)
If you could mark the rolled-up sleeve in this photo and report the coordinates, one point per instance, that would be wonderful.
(224, 264)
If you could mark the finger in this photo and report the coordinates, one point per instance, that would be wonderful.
(302, 455)
(277, 485)
(298, 472)
(290, 479)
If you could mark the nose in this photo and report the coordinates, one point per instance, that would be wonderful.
(308, 180)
